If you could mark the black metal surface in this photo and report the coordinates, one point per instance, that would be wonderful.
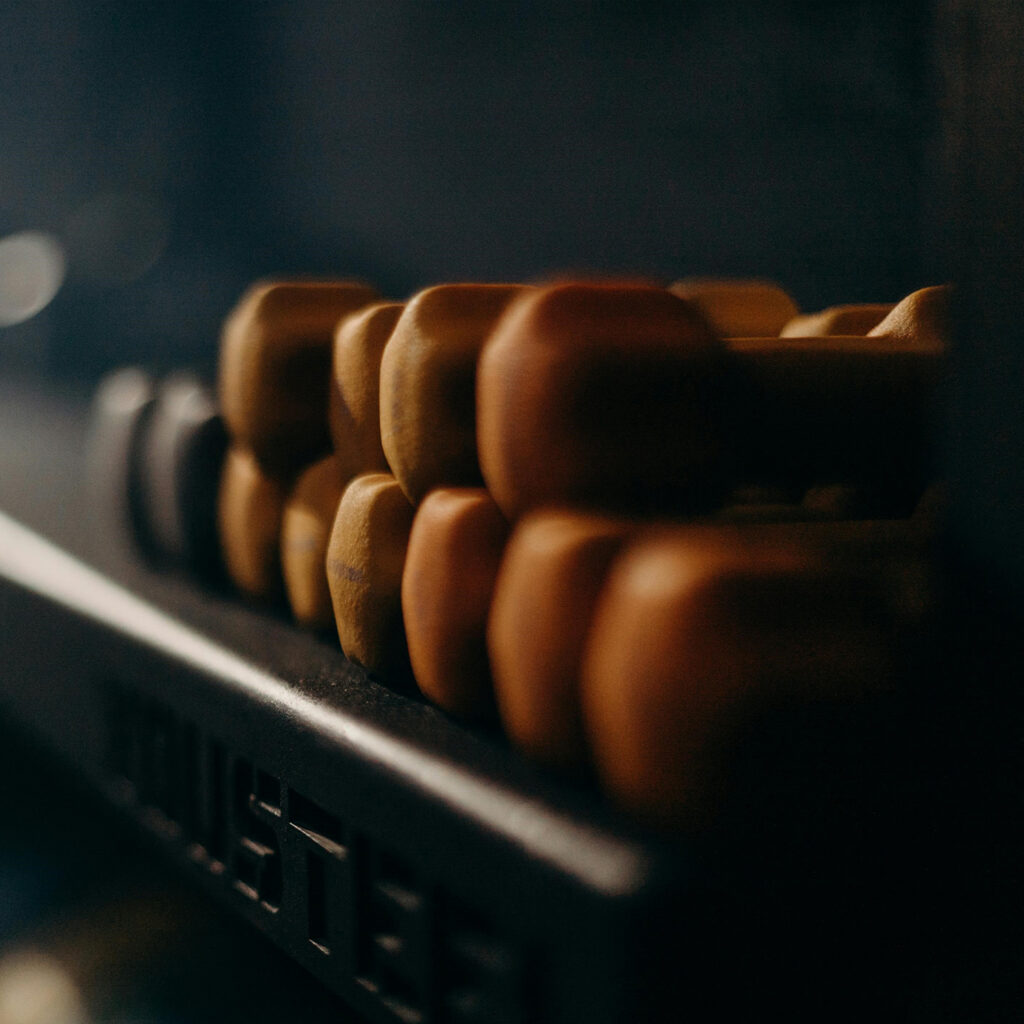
(433, 862)
(421, 871)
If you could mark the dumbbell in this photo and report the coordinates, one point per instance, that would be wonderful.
(598, 395)
(427, 429)
(121, 410)
(365, 558)
(619, 398)
(836, 410)
(848, 320)
(354, 422)
(455, 549)
(181, 463)
(354, 402)
(427, 385)
(275, 362)
(922, 319)
(698, 630)
(249, 511)
(155, 452)
(738, 308)
(306, 523)
(550, 578)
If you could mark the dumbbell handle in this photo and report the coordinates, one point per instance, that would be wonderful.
(830, 409)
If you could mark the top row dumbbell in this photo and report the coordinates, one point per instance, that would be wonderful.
(625, 397)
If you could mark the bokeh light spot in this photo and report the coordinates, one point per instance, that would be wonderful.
(35, 989)
(31, 273)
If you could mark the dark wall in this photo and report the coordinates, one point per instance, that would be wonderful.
(983, 64)
(179, 150)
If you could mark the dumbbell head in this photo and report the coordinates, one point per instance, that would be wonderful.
(249, 511)
(427, 385)
(353, 406)
(306, 525)
(607, 396)
(365, 558)
(180, 471)
(455, 548)
(121, 411)
(840, 410)
(695, 632)
(738, 308)
(547, 589)
(837, 320)
(851, 416)
(922, 318)
(275, 366)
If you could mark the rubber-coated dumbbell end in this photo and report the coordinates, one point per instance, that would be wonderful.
(353, 407)
(551, 575)
(182, 462)
(455, 549)
(698, 632)
(738, 308)
(306, 525)
(428, 385)
(249, 510)
(605, 397)
(365, 558)
(121, 410)
(275, 364)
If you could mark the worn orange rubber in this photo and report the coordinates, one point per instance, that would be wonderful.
(837, 320)
(275, 362)
(601, 396)
(365, 557)
(306, 525)
(249, 510)
(428, 382)
(698, 629)
(455, 548)
(837, 410)
(738, 308)
(353, 406)
(551, 575)
(923, 318)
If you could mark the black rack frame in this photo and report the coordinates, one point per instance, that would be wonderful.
(421, 871)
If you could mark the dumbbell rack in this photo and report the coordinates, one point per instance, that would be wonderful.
(421, 870)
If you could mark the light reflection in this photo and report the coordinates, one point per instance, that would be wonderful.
(31, 273)
(36, 989)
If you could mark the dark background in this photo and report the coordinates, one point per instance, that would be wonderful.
(179, 150)
(852, 151)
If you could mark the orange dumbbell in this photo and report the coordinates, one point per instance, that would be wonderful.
(849, 407)
(365, 557)
(306, 526)
(698, 629)
(600, 395)
(249, 510)
(353, 407)
(836, 410)
(923, 318)
(427, 385)
(618, 398)
(182, 461)
(738, 308)
(455, 548)
(275, 366)
(849, 320)
(547, 589)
